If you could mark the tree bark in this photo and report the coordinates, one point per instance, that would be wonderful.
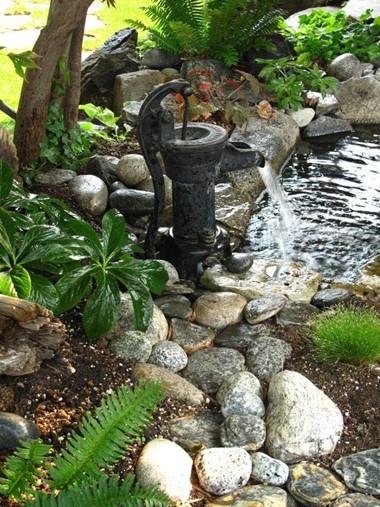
(61, 37)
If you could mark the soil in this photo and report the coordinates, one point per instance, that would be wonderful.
(57, 396)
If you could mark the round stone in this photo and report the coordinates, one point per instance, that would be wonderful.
(268, 470)
(14, 428)
(261, 309)
(246, 431)
(238, 262)
(132, 345)
(330, 297)
(132, 169)
(90, 192)
(169, 355)
(219, 309)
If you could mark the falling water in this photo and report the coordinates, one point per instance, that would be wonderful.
(324, 211)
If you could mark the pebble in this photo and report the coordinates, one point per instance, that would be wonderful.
(261, 309)
(240, 336)
(266, 357)
(296, 314)
(132, 345)
(357, 500)
(55, 177)
(168, 355)
(241, 393)
(174, 306)
(361, 471)
(238, 262)
(190, 336)
(254, 496)
(14, 428)
(268, 470)
(197, 432)
(104, 167)
(219, 309)
(132, 169)
(330, 297)
(91, 193)
(246, 431)
(131, 202)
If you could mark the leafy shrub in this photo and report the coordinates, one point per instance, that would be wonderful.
(322, 36)
(78, 476)
(219, 29)
(350, 335)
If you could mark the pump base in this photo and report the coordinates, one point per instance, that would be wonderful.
(187, 256)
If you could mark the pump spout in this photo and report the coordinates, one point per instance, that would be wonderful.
(239, 155)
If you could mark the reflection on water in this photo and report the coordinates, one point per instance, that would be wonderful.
(331, 194)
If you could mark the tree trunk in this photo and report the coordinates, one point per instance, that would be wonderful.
(61, 37)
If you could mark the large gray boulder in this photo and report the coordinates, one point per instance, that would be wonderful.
(359, 100)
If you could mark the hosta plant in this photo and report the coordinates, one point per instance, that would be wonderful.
(81, 474)
(347, 334)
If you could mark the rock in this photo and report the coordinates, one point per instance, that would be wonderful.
(191, 337)
(344, 67)
(213, 70)
(54, 177)
(260, 309)
(325, 105)
(268, 470)
(329, 297)
(359, 100)
(130, 112)
(324, 125)
(265, 277)
(222, 470)
(313, 423)
(356, 8)
(296, 314)
(312, 485)
(174, 306)
(197, 432)
(147, 186)
(266, 357)
(156, 332)
(156, 58)
(233, 209)
(104, 167)
(219, 310)
(155, 468)
(100, 68)
(238, 262)
(370, 274)
(134, 86)
(356, 500)
(243, 430)
(171, 271)
(168, 355)
(207, 368)
(132, 169)
(302, 116)
(361, 471)
(241, 393)
(175, 386)
(90, 192)
(252, 496)
(14, 428)
(132, 345)
(241, 336)
(131, 202)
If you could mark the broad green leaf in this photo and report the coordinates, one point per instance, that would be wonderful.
(102, 307)
(114, 235)
(43, 292)
(21, 281)
(26, 59)
(73, 286)
(6, 179)
(6, 285)
(92, 242)
(150, 272)
(34, 242)
(7, 232)
(141, 299)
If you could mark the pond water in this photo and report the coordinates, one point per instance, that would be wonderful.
(324, 210)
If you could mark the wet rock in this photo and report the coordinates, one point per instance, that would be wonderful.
(233, 208)
(104, 167)
(222, 470)
(132, 202)
(324, 105)
(219, 310)
(241, 336)
(238, 262)
(262, 496)
(344, 67)
(132, 346)
(14, 428)
(55, 177)
(370, 274)
(302, 116)
(361, 471)
(266, 357)
(241, 393)
(197, 432)
(313, 486)
(330, 297)
(265, 277)
(168, 355)
(155, 468)
(207, 368)
(268, 470)
(356, 500)
(325, 125)
(359, 100)
(261, 309)
(313, 423)
(246, 431)
(190, 336)
(134, 86)
(174, 306)
(296, 314)
(175, 386)
(90, 192)
(156, 58)
(132, 169)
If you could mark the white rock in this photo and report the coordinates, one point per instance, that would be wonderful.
(165, 464)
(132, 169)
(91, 193)
(222, 470)
(302, 422)
(168, 355)
(219, 310)
(268, 470)
(302, 116)
(241, 394)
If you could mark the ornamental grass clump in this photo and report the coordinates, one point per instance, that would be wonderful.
(350, 335)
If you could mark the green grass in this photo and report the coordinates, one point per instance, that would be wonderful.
(112, 18)
(349, 335)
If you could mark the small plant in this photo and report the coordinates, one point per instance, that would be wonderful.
(109, 128)
(350, 335)
(322, 36)
(79, 475)
(219, 29)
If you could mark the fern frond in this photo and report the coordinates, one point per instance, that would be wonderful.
(23, 467)
(102, 438)
(106, 492)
